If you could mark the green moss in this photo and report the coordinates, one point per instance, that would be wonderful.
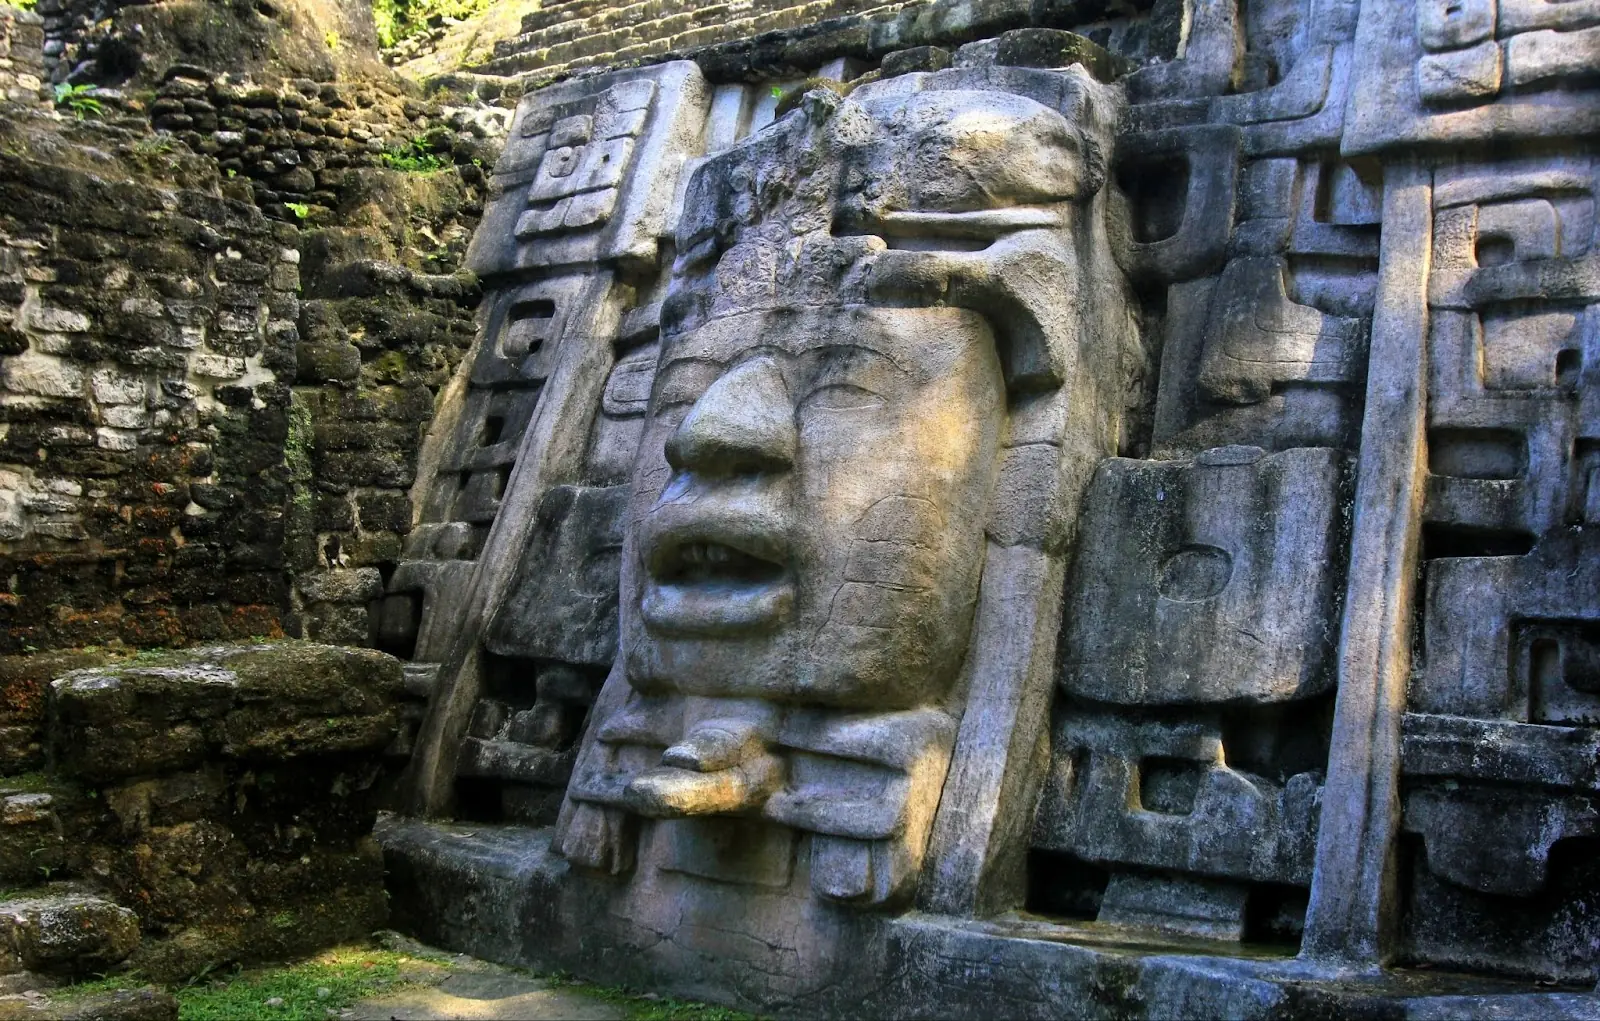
(390, 366)
(30, 783)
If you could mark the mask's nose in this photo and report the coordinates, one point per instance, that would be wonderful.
(742, 425)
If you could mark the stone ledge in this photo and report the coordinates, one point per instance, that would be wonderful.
(274, 701)
(499, 893)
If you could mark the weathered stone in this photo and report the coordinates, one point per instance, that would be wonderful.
(68, 932)
(872, 544)
(273, 701)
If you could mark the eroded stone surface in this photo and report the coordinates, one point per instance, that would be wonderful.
(1157, 503)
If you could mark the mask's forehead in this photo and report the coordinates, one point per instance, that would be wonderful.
(964, 149)
(920, 341)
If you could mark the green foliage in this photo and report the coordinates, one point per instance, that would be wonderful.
(333, 41)
(399, 20)
(152, 145)
(414, 156)
(299, 209)
(26, 5)
(31, 782)
(78, 99)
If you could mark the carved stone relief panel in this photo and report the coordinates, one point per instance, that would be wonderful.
(1465, 71)
(1160, 508)
(1196, 657)
(580, 200)
(1499, 745)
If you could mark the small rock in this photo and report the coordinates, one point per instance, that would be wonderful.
(275, 1001)
(323, 992)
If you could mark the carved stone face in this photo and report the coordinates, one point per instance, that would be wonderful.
(809, 506)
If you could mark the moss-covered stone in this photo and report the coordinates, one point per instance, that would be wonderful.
(269, 702)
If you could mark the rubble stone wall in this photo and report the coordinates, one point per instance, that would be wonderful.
(200, 807)
(192, 422)
(21, 55)
(149, 331)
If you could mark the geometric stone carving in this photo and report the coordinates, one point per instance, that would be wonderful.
(1481, 833)
(563, 605)
(1205, 581)
(1527, 649)
(1260, 340)
(1182, 183)
(1161, 795)
(1460, 71)
(562, 186)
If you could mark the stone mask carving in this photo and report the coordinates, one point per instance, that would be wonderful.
(863, 293)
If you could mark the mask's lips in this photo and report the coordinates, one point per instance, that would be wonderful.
(715, 576)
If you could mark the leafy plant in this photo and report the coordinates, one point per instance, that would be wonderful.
(414, 156)
(300, 209)
(79, 99)
(399, 20)
(26, 5)
(333, 41)
(152, 145)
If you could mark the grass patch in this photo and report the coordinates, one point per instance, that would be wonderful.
(315, 989)
(644, 1008)
(305, 991)
(28, 783)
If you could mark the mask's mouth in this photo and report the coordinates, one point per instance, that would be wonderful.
(715, 578)
(699, 563)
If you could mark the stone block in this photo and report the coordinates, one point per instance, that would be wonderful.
(1205, 581)
(564, 606)
(273, 701)
(68, 932)
(1460, 75)
(358, 585)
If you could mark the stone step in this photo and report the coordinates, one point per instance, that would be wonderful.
(555, 14)
(37, 822)
(62, 929)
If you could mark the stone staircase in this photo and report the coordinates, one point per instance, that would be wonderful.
(572, 34)
(54, 927)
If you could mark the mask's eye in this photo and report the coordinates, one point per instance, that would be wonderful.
(683, 382)
(842, 397)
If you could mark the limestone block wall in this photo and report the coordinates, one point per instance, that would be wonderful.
(148, 326)
(65, 21)
(193, 423)
(21, 55)
(199, 807)
(297, 142)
